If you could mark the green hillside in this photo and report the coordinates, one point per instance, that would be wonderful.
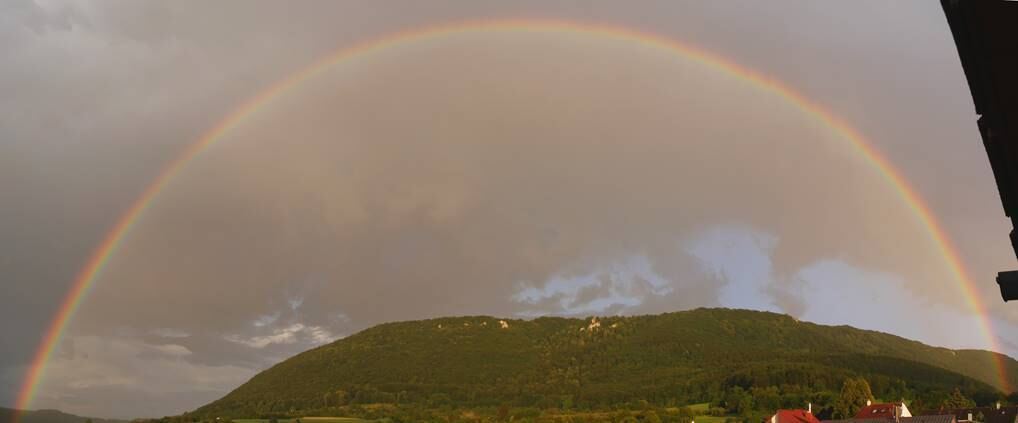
(716, 356)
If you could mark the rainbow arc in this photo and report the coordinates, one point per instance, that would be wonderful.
(111, 243)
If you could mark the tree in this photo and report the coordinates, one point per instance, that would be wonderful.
(957, 400)
(854, 394)
(340, 397)
(738, 401)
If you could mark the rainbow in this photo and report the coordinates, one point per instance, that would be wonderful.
(113, 240)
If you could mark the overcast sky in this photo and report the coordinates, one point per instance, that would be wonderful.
(515, 174)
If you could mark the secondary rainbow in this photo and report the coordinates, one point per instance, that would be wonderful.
(112, 241)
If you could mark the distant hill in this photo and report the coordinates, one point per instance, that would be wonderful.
(49, 416)
(704, 355)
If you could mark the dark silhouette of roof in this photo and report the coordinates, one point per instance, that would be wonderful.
(940, 418)
(987, 40)
(858, 421)
(1005, 414)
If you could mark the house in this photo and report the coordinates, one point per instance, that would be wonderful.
(884, 411)
(933, 418)
(895, 413)
(794, 416)
(997, 414)
(1000, 414)
(936, 418)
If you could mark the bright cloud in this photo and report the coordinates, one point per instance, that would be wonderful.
(285, 335)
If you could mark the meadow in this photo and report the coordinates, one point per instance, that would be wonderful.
(309, 420)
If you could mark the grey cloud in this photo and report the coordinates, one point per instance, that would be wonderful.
(170, 333)
(788, 298)
(104, 371)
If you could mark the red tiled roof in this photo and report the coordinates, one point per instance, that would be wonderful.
(795, 416)
(876, 410)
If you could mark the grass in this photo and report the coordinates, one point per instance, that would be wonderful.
(308, 420)
(699, 408)
(701, 416)
(334, 420)
(709, 419)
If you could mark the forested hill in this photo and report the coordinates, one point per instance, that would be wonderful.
(703, 355)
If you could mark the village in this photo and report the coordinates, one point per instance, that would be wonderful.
(899, 413)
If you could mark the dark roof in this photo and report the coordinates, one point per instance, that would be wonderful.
(1003, 415)
(987, 37)
(1006, 414)
(858, 421)
(795, 416)
(940, 418)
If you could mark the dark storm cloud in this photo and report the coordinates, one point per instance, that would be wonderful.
(442, 181)
(89, 111)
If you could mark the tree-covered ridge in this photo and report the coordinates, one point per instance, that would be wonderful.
(740, 361)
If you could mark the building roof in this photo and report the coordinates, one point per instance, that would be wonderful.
(940, 418)
(986, 37)
(858, 421)
(877, 411)
(1005, 414)
(794, 416)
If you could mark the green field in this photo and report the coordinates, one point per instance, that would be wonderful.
(309, 420)
(710, 419)
(701, 416)
(699, 408)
